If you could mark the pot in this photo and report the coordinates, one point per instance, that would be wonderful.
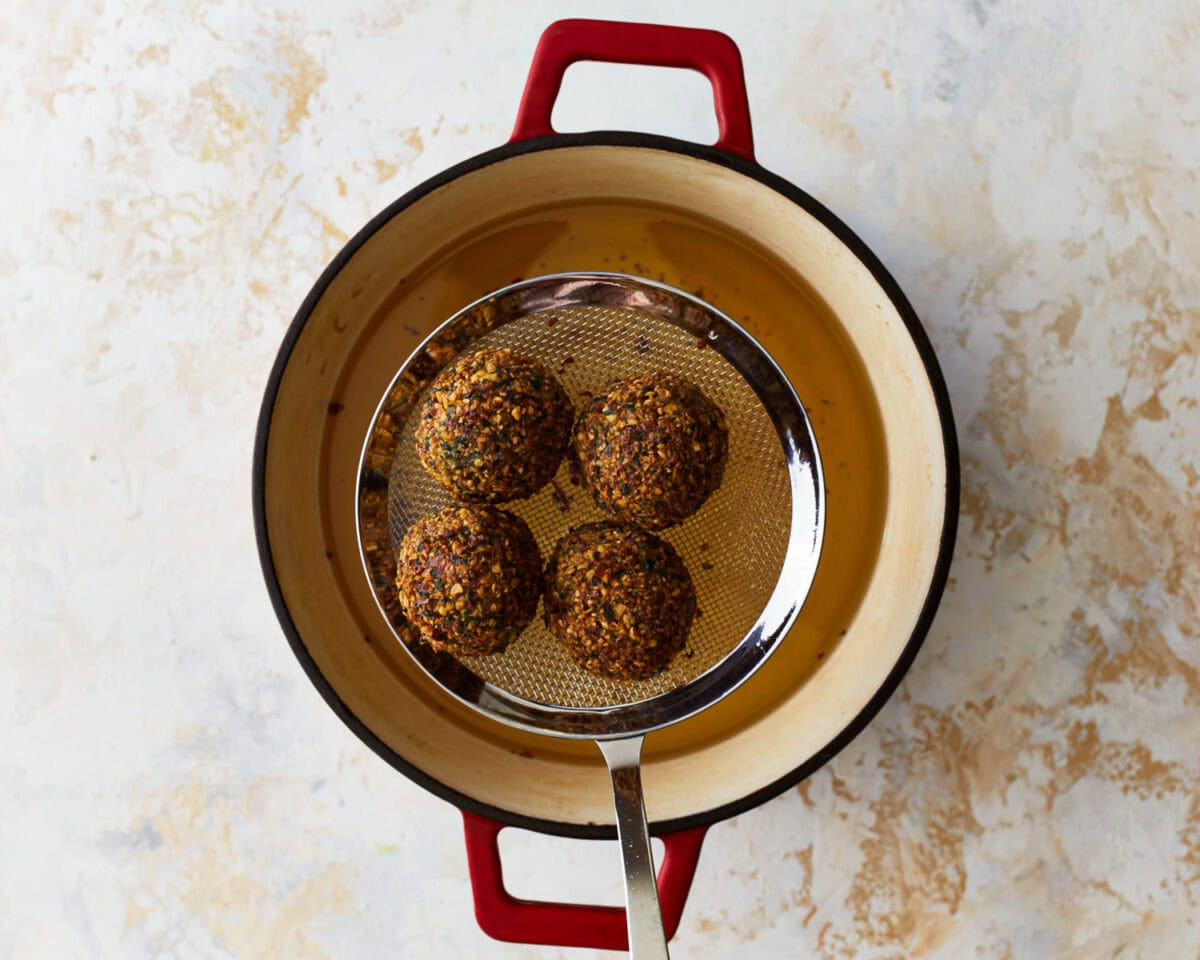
(707, 219)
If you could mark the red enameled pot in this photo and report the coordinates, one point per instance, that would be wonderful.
(703, 218)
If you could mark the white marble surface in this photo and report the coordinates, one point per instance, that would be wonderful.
(175, 175)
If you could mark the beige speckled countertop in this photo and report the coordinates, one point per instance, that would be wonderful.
(175, 176)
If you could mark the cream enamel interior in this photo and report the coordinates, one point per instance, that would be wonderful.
(347, 353)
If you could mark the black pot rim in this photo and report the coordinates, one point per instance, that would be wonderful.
(882, 277)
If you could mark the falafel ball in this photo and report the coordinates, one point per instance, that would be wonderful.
(494, 427)
(469, 579)
(619, 599)
(651, 449)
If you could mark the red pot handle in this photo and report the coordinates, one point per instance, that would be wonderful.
(504, 917)
(567, 41)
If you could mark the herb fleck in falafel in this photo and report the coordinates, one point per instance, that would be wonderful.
(494, 427)
(469, 579)
(651, 449)
(619, 599)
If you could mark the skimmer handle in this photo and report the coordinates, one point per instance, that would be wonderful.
(710, 52)
(642, 915)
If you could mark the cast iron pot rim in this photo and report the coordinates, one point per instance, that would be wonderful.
(592, 831)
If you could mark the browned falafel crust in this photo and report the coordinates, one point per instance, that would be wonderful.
(619, 599)
(651, 449)
(494, 427)
(469, 579)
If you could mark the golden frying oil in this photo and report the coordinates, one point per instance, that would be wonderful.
(749, 283)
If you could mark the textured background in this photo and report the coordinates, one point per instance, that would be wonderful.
(175, 176)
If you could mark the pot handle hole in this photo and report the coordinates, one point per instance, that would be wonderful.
(505, 917)
(710, 52)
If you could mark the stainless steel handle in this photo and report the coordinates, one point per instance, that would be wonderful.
(643, 916)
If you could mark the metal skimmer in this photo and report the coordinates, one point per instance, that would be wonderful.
(751, 550)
